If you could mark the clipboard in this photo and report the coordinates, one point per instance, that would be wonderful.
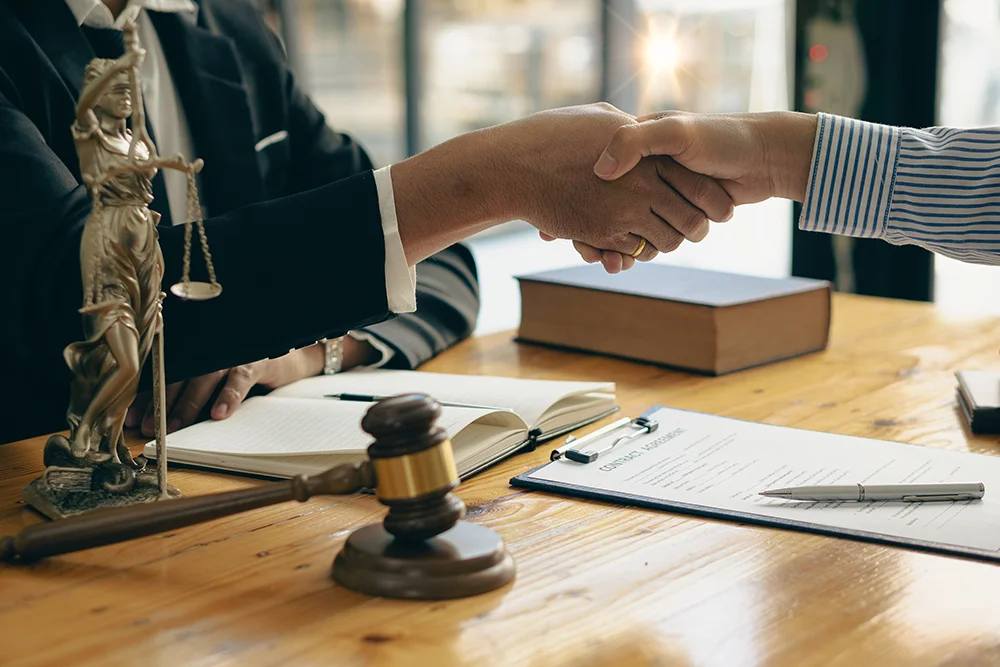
(637, 498)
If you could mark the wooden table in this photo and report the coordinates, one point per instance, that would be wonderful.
(597, 584)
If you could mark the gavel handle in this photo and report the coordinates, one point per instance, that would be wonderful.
(108, 526)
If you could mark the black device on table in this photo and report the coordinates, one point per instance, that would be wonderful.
(979, 399)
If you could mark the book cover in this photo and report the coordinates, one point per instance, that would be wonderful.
(709, 322)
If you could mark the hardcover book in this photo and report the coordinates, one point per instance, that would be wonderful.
(708, 322)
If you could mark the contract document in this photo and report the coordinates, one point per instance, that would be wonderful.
(716, 466)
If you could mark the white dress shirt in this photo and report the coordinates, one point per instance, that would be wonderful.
(938, 188)
(166, 116)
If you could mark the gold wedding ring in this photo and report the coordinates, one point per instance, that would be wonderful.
(638, 251)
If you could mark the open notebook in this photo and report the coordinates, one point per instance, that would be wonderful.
(295, 429)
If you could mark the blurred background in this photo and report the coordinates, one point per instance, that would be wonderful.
(404, 75)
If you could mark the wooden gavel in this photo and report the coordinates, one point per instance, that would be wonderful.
(421, 550)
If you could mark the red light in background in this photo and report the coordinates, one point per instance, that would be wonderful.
(818, 53)
(813, 99)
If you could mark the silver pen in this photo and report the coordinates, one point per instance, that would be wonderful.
(860, 492)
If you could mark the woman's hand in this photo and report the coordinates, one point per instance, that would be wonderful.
(187, 400)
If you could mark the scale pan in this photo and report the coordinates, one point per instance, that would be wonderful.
(196, 291)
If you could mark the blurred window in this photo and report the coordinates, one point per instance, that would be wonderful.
(969, 97)
(349, 57)
(489, 61)
(717, 56)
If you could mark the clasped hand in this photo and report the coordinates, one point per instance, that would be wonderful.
(658, 199)
(750, 156)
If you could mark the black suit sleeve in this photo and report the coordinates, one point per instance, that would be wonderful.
(275, 260)
(447, 308)
(447, 284)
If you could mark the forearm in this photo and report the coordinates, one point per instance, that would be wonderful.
(449, 193)
(788, 141)
(936, 188)
(175, 162)
(310, 360)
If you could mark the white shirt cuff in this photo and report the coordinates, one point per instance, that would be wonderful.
(400, 279)
(386, 353)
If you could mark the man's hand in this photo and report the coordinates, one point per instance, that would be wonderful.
(540, 169)
(186, 400)
(561, 196)
(683, 186)
(755, 155)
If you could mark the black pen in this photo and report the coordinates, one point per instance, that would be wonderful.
(366, 398)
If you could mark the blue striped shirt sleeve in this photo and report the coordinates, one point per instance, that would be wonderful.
(938, 188)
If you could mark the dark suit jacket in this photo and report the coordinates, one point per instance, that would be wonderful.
(294, 229)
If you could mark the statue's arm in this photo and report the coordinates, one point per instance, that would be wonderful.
(175, 162)
(93, 91)
(178, 163)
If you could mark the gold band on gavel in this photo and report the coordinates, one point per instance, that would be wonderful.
(413, 475)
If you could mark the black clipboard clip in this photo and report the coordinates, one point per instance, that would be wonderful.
(576, 449)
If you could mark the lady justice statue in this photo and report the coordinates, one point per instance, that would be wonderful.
(122, 270)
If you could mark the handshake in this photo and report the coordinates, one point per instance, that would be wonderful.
(662, 179)
(623, 189)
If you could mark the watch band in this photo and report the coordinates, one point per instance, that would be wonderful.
(333, 355)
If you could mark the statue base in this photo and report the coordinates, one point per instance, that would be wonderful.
(72, 486)
(59, 503)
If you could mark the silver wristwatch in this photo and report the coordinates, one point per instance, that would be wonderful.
(333, 355)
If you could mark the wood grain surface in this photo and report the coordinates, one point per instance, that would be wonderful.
(597, 584)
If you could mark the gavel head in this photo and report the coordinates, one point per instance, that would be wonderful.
(414, 467)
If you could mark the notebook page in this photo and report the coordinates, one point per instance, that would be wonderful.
(575, 408)
(528, 398)
(270, 466)
(271, 426)
(468, 446)
(721, 464)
